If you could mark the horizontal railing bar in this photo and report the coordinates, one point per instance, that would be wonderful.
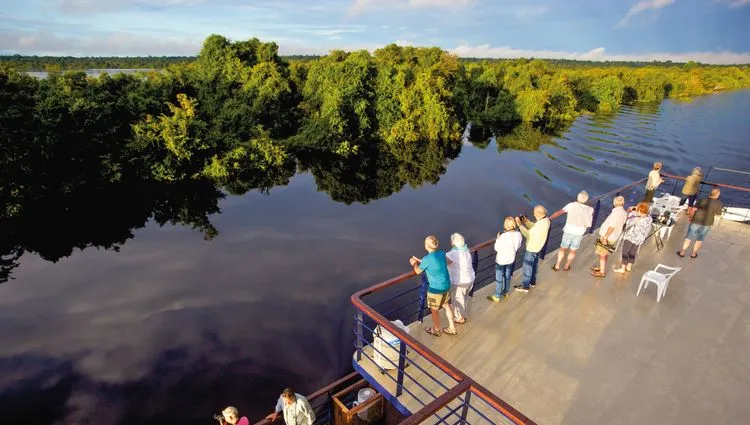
(395, 296)
(731, 170)
(402, 307)
(435, 405)
(724, 185)
(403, 386)
(321, 392)
(445, 387)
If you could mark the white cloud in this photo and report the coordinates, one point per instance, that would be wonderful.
(93, 6)
(600, 54)
(529, 11)
(643, 6)
(117, 44)
(335, 31)
(360, 6)
(735, 3)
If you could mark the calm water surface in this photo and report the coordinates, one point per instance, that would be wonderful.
(172, 327)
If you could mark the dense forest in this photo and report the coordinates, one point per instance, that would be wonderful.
(85, 161)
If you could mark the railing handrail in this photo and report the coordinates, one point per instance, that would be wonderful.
(320, 392)
(708, 183)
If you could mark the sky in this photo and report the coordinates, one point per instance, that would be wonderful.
(710, 31)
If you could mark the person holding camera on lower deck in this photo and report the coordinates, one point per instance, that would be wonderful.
(536, 237)
(231, 415)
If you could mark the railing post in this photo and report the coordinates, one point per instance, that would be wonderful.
(422, 297)
(359, 335)
(401, 368)
(674, 189)
(465, 409)
(596, 215)
(475, 265)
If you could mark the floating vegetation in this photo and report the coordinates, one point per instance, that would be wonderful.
(542, 174)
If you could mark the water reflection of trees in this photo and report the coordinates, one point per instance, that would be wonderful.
(378, 171)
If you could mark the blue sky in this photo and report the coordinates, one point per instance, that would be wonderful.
(716, 31)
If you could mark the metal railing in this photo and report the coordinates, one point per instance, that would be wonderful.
(321, 401)
(441, 392)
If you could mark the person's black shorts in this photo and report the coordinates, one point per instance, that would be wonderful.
(690, 200)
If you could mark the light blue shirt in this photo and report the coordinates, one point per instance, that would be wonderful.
(436, 269)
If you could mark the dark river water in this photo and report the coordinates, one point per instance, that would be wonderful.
(172, 328)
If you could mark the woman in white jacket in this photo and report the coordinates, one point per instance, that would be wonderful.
(462, 275)
(506, 246)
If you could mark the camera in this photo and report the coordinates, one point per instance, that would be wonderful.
(522, 217)
(219, 417)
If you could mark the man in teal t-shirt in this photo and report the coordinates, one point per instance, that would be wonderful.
(435, 265)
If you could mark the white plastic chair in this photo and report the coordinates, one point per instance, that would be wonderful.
(658, 277)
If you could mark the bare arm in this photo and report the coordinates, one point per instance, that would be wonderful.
(414, 261)
(605, 238)
(557, 214)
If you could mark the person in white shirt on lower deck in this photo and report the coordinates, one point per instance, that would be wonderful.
(295, 408)
(579, 219)
(461, 273)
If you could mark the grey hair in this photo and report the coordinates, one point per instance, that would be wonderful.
(541, 208)
(697, 171)
(583, 196)
(231, 411)
(457, 240)
(618, 201)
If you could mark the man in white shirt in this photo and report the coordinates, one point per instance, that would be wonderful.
(579, 219)
(295, 408)
(609, 233)
(654, 180)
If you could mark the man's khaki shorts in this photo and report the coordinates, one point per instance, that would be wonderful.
(438, 300)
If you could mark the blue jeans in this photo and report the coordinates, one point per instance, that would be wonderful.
(530, 262)
(502, 279)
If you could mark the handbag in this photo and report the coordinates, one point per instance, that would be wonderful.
(606, 246)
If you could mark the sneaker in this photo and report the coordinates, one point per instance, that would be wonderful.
(506, 295)
(533, 285)
(493, 298)
(521, 288)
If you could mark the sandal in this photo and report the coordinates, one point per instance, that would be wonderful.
(681, 254)
(555, 269)
(450, 331)
(694, 255)
(567, 269)
(620, 269)
(597, 273)
(460, 322)
(432, 331)
(594, 268)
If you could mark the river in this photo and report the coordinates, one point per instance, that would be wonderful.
(172, 328)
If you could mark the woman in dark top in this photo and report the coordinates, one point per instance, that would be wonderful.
(702, 221)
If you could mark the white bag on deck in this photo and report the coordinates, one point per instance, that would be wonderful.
(387, 346)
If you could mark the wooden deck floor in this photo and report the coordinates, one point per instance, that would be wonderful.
(580, 350)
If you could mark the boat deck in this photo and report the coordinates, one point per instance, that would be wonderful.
(581, 350)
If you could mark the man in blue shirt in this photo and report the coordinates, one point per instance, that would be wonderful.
(435, 265)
